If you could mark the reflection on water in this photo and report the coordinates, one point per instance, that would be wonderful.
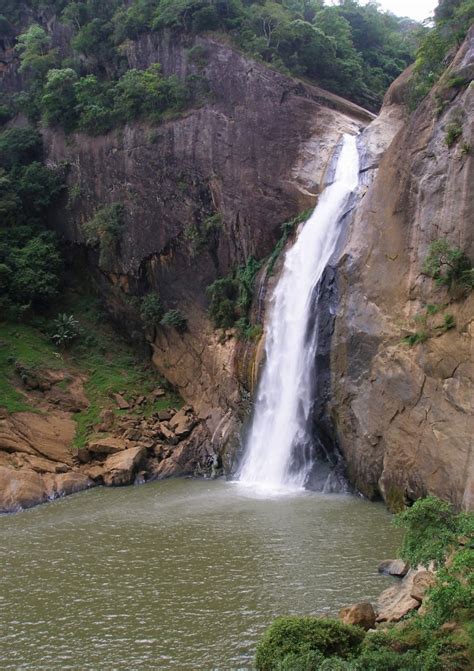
(178, 575)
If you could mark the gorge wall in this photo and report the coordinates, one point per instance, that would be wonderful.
(255, 152)
(403, 415)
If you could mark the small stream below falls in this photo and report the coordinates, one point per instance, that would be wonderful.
(181, 574)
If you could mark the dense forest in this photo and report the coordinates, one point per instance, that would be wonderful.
(355, 50)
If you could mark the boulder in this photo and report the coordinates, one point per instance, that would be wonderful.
(422, 581)
(182, 423)
(107, 418)
(165, 415)
(83, 455)
(396, 601)
(106, 445)
(395, 567)
(360, 614)
(20, 489)
(67, 483)
(95, 471)
(159, 392)
(121, 402)
(42, 465)
(168, 435)
(120, 468)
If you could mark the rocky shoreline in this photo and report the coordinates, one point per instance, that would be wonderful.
(131, 444)
(395, 602)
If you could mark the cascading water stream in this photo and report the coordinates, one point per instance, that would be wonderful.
(278, 449)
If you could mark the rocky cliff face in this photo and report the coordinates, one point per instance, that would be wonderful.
(403, 415)
(254, 153)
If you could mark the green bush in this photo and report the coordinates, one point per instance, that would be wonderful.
(431, 529)
(35, 271)
(205, 235)
(151, 310)
(65, 330)
(301, 635)
(105, 229)
(449, 266)
(453, 133)
(176, 320)
(58, 102)
(19, 146)
(224, 295)
(453, 593)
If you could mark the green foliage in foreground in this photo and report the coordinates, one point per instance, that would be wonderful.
(297, 637)
(434, 532)
(432, 528)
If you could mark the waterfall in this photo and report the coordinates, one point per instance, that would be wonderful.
(278, 448)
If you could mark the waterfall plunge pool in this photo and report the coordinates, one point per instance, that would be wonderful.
(181, 574)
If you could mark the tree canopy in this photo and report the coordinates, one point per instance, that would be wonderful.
(350, 48)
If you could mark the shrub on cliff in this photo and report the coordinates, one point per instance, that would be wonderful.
(151, 310)
(105, 229)
(307, 637)
(449, 266)
(176, 320)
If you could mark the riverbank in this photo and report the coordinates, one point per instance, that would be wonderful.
(89, 414)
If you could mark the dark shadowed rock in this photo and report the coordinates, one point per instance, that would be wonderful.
(395, 567)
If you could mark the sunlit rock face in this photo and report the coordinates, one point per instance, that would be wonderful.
(403, 415)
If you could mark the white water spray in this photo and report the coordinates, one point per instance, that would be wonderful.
(278, 450)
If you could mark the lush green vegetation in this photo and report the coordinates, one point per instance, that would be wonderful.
(231, 298)
(30, 261)
(351, 48)
(40, 345)
(452, 21)
(290, 638)
(104, 230)
(433, 533)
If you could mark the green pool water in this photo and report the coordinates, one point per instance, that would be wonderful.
(181, 574)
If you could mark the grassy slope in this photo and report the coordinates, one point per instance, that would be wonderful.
(109, 363)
